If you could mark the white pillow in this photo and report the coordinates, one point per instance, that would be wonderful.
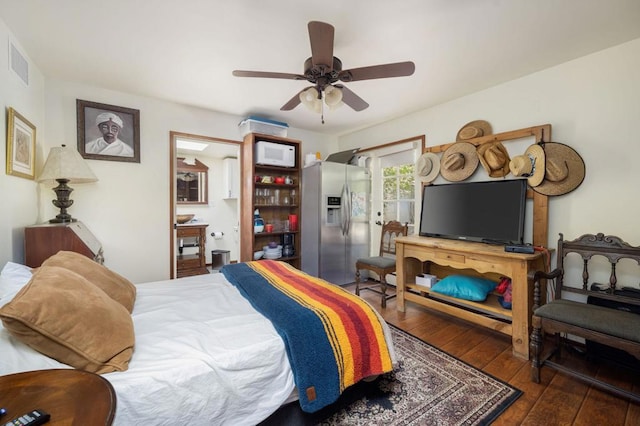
(13, 277)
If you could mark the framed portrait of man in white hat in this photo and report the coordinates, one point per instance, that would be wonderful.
(108, 132)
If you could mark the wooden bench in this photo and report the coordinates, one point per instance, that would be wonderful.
(605, 325)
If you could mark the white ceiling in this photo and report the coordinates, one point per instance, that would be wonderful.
(185, 51)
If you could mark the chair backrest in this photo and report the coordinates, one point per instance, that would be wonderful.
(390, 231)
(590, 246)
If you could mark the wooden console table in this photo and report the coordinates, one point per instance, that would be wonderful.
(477, 259)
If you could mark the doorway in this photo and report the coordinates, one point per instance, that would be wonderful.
(217, 206)
(393, 188)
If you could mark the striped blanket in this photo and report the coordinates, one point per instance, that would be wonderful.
(332, 337)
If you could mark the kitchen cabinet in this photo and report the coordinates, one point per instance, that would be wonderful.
(230, 178)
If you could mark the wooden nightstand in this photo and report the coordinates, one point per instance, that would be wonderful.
(69, 396)
(44, 240)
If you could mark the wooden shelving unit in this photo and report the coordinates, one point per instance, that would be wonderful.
(275, 201)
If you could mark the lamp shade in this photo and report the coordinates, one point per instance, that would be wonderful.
(66, 163)
(333, 97)
(309, 98)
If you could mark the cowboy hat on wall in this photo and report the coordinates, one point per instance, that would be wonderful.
(428, 167)
(459, 161)
(474, 129)
(530, 165)
(494, 158)
(564, 169)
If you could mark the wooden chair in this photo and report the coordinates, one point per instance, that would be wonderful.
(384, 263)
(607, 318)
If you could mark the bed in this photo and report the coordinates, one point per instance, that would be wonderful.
(203, 354)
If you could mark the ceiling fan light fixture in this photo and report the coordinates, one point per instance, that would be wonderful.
(333, 97)
(323, 70)
(309, 98)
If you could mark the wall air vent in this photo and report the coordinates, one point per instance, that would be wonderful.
(18, 63)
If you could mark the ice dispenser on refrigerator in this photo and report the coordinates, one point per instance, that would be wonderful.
(333, 210)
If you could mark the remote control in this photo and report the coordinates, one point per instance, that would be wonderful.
(519, 249)
(32, 418)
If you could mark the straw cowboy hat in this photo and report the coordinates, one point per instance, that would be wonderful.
(529, 165)
(428, 167)
(494, 158)
(474, 129)
(564, 170)
(459, 161)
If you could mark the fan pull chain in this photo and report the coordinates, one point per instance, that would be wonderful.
(322, 101)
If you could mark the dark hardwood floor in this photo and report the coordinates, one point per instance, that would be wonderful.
(557, 400)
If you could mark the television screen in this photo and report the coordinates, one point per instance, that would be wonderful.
(491, 212)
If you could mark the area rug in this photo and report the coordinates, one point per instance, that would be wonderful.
(428, 387)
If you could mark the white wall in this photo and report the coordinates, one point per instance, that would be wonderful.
(593, 105)
(128, 208)
(314, 142)
(19, 206)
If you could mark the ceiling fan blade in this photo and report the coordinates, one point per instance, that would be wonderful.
(321, 37)
(351, 99)
(293, 102)
(264, 74)
(398, 69)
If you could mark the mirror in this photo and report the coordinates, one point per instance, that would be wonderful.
(191, 182)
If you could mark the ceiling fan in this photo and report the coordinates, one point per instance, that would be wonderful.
(325, 72)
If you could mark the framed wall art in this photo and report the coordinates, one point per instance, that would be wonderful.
(108, 132)
(21, 145)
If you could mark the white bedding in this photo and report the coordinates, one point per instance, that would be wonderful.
(202, 355)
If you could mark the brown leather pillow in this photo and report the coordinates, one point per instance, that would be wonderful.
(116, 286)
(64, 316)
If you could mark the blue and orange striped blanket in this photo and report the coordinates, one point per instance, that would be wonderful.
(333, 338)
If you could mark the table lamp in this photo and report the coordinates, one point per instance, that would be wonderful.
(65, 165)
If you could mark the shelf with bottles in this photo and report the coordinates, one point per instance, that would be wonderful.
(276, 197)
(275, 221)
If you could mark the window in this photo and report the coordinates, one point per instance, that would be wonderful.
(398, 194)
(393, 185)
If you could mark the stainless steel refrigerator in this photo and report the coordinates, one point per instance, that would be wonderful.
(335, 220)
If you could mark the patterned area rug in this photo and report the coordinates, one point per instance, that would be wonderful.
(428, 387)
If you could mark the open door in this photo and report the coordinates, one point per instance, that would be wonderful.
(203, 165)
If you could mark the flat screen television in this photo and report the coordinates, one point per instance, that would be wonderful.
(490, 212)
